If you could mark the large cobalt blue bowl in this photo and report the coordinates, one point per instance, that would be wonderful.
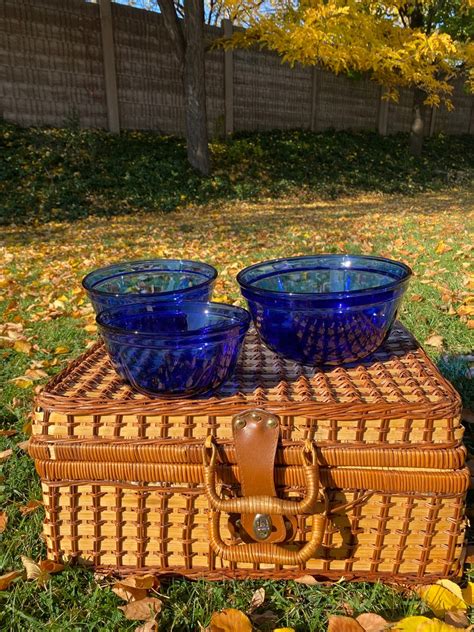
(149, 281)
(324, 309)
(170, 349)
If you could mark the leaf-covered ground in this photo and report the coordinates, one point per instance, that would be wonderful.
(47, 321)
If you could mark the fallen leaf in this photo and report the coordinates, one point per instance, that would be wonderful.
(343, 624)
(451, 586)
(33, 571)
(441, 248)
(51, 567)
(6, 580)
(258, 598)
(307, 580)
(91, 328)
(30, 506)
(422, 624)
(143, 610)
(416, 298)
(140, 581)
(442, 598)
(127, 593)
(22, 382)
(468, 594)
(372, 622)
(3, 521)
(60, 350)
(35, 374)
(8, 433)
(435, 341)
(230, 620)
(284, 630)
(22, 346)
(23, 445)
(457, 618)
(5, 454)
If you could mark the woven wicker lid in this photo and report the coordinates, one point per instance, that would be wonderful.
(356, 415)
(399, 378)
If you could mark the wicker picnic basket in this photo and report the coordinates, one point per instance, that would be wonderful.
(289, 470)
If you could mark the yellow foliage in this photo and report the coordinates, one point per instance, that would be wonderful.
(441, 599)
(361, 36)
(422, 624)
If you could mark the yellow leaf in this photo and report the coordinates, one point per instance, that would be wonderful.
(22, 382)
(468, 594)
(422, 624)
(60, 350)
(284, 630)
(451, 586)
(6, 580)
(441, 599)
(143, 610)
(230, 620)
(441, 248)
(22, 346)
(91, 328)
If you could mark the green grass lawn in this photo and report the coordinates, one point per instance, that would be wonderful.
(47, 320)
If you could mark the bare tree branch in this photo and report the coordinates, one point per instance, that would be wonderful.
(174, 29)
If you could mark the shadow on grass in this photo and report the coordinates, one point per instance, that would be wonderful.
(56, 174)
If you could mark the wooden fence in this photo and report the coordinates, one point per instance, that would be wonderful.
(110, 66)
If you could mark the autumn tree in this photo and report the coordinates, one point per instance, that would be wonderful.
(420, 44)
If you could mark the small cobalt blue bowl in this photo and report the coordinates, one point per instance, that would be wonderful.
(175, 350)
(324, 309)
(149, 281)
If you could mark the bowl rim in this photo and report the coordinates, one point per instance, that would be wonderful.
(242, 314)
(95, 292)
(325, 295)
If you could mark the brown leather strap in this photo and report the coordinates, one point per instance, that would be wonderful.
(256, 435)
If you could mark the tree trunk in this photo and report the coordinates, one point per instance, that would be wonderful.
(195, 87)
(416, 135)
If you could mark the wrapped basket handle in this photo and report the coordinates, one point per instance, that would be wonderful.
(262, 504)
(265, 553)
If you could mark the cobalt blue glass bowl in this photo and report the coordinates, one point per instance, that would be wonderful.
(324, 309)
(149, 281)
(174, 349)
